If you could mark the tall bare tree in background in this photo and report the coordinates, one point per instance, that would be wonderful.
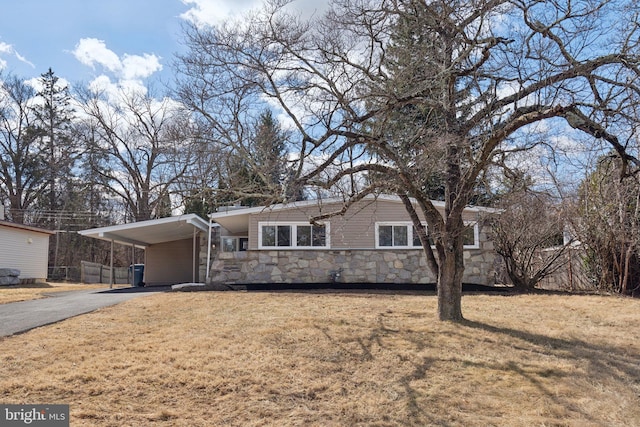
(23, 168)
(148, 145)
(471, 75)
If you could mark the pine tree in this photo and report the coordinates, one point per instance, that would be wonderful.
(53, 121)
(263, 176)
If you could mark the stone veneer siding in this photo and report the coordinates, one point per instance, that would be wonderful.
(354, 266)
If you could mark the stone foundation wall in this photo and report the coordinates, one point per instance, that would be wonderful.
(342, 266)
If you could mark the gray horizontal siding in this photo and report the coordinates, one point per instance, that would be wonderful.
(353, 230)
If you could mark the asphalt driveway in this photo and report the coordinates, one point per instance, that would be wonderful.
(18, 317)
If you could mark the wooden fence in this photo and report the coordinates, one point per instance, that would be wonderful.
(91, 272)
(571, 276)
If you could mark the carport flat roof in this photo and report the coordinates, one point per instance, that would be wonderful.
(147, 233)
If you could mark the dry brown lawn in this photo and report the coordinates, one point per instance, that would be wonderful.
(335, 359)
(16, 293)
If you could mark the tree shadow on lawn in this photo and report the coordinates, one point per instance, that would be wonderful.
(599, 364)
(615, 361)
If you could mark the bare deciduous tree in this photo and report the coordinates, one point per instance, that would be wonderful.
(23, 170)
(529, 236)
(607, 224)
(148, 145)
(414, 88)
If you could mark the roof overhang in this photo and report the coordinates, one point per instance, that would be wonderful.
(22, 227)
(235, 221)
(152, 232)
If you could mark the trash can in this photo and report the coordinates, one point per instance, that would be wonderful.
(136, 271)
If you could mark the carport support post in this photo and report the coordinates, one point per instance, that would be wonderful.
(208, 253)
(132, 268)
(196, 262)
(111, 267)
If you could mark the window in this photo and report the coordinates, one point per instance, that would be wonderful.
(392, 235)
(470, 238)
(416, 238)
(396, 235)
(310, 235)
(234, 244)
(229, 244)
(403, 235)
(283, 235)
(268, 237)
(293, 236)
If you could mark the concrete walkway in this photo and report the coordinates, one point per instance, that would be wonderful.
(22, 316)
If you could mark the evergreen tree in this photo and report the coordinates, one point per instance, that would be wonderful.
(200, 202)
(263, 176)
(53, 120)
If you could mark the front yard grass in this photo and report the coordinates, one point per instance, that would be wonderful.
(335, 359)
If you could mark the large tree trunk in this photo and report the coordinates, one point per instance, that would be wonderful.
(15, 209)
(450, 274)
(450, 288)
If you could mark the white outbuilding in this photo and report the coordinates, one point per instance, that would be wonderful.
(25, 249)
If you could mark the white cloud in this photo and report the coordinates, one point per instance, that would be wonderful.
(5, 48)
(114, 90)
(101, 84)
(8, 49)
(121, 73)
(93, 51)
(212, 12)
(135, 66)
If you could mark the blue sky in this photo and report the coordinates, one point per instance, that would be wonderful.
(83, 40)
(38, 34)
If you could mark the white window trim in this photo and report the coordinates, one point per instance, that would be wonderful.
(409, 225)
(294, 236)
(476, 235)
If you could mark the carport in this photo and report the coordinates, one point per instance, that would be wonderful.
(171, 246)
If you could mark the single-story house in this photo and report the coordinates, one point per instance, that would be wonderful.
(173, 246)
(372, 242)
(25, 249)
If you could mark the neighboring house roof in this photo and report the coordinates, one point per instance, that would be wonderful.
(25, 227)
(146, 233)
(235, 219)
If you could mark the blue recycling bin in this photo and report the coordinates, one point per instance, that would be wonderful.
(137, 270)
